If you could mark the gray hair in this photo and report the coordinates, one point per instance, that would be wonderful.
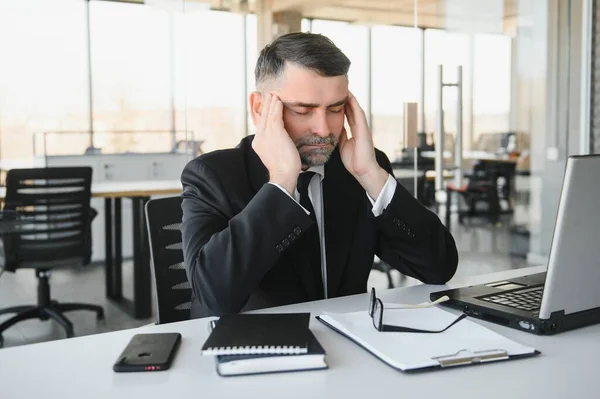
(309, 50)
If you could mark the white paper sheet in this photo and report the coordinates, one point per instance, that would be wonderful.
(408, 351)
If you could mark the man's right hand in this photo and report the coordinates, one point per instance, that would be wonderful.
(274, 146)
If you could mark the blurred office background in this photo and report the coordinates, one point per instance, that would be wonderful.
(137, 88)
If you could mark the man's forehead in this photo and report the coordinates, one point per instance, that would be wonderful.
(313, 93)
(312, 104)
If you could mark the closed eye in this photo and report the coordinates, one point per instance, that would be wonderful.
(301, 112)
(336, 111)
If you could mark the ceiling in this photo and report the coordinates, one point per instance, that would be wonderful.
(492, 16)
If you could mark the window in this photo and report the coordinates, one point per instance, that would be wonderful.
(43, 73)
(214, 84)
(132, 76)
(491, 84)
(252, 51)
(395, 80)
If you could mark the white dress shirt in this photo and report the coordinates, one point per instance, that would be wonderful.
(315, 193)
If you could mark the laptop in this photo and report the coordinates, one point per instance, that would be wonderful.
(567, 295)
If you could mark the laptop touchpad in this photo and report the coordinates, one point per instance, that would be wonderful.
(505, 285)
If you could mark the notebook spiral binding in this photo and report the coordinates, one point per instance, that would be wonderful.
(255, 350)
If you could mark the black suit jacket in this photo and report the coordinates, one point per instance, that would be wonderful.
(239, 235)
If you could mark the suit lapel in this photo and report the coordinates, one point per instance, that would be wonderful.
(258, 175)
(341, 203)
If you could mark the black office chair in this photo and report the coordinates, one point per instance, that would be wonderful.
(54, 205)
(488, 185)
(173, 290)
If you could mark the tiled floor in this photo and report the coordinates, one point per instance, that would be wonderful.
(482, 250)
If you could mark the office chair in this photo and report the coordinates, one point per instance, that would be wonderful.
(490, 183)
(173, 290)
(54, 205)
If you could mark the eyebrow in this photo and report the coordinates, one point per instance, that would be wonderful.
(313, 105)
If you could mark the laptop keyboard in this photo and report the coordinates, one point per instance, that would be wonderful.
(529, 299)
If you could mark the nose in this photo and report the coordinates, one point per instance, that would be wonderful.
(320, 125)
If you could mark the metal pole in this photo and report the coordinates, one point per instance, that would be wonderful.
(439, 135)
(415, 161)
(421, 128)
(458, 156)
(89, 68)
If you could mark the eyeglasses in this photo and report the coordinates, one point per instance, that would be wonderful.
(376, 313)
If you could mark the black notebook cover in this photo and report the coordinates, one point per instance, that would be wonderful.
(314, 359)
(259, 334)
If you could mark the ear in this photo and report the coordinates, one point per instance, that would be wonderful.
(255, 106)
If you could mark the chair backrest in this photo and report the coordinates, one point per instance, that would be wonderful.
(173, 290)
(492, 173)
(55, 204)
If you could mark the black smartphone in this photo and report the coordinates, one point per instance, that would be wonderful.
(148, 352)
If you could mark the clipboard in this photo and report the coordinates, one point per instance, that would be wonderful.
(414, 352)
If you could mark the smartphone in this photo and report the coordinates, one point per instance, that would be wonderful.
(148, 352)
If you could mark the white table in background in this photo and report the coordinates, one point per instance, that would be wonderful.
(139, 192)
(82, 367)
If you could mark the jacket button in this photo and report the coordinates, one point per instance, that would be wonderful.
(292, 236)
(412, 235)
(285, 242)
(297, 230)
(395, 220)
(279, 248)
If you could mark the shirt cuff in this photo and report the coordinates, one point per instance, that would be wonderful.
(385, 197)
(289, 195)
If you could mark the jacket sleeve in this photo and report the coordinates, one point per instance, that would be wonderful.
(412, 239)
(227, 255)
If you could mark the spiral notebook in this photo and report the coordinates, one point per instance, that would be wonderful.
(259, 334)
(235, 365)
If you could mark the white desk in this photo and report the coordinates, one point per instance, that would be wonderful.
(81, 367)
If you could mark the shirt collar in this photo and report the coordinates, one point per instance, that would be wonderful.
(319, 170)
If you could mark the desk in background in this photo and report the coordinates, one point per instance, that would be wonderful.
(139, 192)
(566, 367)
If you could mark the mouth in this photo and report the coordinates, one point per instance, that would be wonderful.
(313, 146)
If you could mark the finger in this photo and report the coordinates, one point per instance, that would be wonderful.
(343, 138)
(274, 100)
(264, 113)
(359, 118)
(349, 114)
(271, 110)
(357, 110)
(277, 114)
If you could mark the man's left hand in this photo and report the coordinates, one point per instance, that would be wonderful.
(358, 152)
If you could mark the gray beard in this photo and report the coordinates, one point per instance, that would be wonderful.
(318, 156)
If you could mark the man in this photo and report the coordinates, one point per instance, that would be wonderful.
(298, 211)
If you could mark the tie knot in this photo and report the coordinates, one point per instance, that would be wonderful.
(303, 180)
